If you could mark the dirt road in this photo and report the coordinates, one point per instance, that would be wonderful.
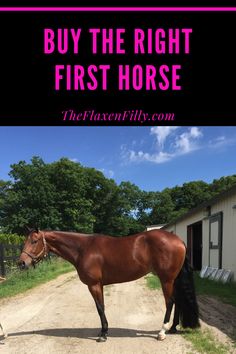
(60, 317)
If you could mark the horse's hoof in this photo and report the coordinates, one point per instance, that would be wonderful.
(101, 339)
(161, 336)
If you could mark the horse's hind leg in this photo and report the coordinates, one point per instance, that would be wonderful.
(168, 288)
(97, 294)
(176, 320)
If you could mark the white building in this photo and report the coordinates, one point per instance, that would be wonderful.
(209, 231)
(153, 227)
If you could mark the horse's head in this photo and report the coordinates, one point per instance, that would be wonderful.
(35, 248)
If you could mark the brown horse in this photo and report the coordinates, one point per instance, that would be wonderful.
(101, 260)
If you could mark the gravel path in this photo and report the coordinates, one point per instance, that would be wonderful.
(60, 317)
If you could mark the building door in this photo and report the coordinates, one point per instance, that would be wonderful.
(194, 245)
(215, 240)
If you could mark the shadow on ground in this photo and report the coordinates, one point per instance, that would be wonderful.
(89, 333)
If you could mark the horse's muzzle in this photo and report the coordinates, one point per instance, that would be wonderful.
(22, 265)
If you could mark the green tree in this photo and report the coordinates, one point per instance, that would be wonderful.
(163, 208)
(115, 211)
(65, 195)
(28, 200)
(190, 195)
(222, 184)
(145, 206)
(70, 199)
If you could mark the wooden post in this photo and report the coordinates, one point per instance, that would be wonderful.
(2, 264)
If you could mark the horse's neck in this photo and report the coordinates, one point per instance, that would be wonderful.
(63, 245)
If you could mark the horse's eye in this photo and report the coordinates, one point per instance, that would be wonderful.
(34, 241)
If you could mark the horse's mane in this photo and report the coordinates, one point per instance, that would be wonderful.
(73, 233)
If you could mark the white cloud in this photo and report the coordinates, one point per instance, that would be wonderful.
(170, 144)
(195, 132)
(220, 141)
(162, 133)
(145, 156)
(187, 141)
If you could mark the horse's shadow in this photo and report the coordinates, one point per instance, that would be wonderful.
(88, 333)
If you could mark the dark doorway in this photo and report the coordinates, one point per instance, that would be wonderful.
(194, 245)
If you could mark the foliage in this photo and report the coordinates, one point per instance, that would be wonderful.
(190, 194)
(64, 195)
(221, 184)
(11, 239)
(163, 207)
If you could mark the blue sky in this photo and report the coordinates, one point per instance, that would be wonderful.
(151, 157)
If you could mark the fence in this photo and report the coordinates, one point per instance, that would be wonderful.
(9, 255)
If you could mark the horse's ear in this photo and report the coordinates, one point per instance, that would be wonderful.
(27, 230)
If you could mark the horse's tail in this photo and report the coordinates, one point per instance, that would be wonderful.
(185, 297)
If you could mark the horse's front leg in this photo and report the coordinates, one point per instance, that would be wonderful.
(97, 294)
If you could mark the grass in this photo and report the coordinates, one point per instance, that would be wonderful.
(107, 290)
(21, 281)
(204, 342)
(153, 282)
(224, 292)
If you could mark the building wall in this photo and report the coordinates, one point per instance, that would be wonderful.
(180, 228)
(228, 231)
